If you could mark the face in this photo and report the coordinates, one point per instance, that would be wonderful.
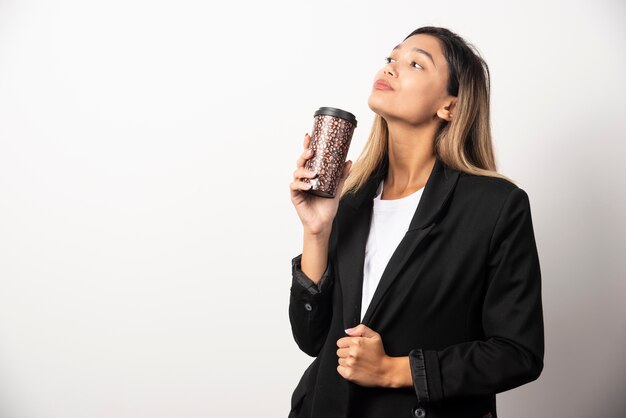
(411, 87)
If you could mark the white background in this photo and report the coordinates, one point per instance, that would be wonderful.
(146, 230)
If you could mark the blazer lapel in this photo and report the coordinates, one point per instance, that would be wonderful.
(353, 236)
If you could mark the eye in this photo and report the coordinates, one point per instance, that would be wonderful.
(413, 64)
(388, 60)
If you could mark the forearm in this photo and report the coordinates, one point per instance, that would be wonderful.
(315, 255)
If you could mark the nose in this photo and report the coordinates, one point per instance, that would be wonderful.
(389, 70)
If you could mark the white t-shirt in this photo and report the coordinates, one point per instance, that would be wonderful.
(390, 222)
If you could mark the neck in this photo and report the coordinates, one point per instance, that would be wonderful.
(411, 152)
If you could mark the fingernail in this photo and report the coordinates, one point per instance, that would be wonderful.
(349, 330)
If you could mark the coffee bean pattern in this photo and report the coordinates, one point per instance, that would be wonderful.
(330, 141)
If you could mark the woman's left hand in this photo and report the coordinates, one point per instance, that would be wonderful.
(362, 358)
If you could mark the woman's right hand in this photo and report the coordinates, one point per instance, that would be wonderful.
(316, 213)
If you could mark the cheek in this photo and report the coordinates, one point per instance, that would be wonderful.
(413, 102)
(420, 90)
(421, 97)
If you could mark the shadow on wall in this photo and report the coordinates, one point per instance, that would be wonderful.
(581, 233)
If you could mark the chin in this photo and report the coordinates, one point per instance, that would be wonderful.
(376, 106)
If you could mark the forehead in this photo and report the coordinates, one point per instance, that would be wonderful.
(428, 43)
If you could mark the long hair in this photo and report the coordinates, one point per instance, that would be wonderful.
(463, 144)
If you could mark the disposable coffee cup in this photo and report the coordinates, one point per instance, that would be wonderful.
(330, 142)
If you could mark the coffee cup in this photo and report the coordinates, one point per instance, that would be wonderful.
(330, 142)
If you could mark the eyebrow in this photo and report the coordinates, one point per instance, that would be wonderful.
(421, 51)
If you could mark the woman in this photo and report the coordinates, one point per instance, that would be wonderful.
(418, 289)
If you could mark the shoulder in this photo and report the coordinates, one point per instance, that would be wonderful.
(489, 195)
(492, 189)
(487, 184)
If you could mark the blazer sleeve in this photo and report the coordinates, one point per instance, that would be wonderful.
(512, 318)
(310, 306)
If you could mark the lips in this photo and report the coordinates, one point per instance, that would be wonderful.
(382, 85)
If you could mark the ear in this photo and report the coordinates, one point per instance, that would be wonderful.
(446, 112)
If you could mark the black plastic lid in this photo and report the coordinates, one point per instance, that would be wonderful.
(333, 111)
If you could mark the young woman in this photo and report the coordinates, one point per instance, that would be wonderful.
(418, 290)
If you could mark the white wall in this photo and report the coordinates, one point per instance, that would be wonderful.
(146, 230)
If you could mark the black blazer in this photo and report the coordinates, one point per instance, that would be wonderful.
(461, 296)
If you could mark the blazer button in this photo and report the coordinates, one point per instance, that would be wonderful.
(308, 306)
(419, 412)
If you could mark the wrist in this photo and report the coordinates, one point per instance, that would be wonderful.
(317, 234)
(398, 373)
(316, 241)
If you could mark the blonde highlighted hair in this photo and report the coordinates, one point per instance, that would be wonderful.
(463, 144)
